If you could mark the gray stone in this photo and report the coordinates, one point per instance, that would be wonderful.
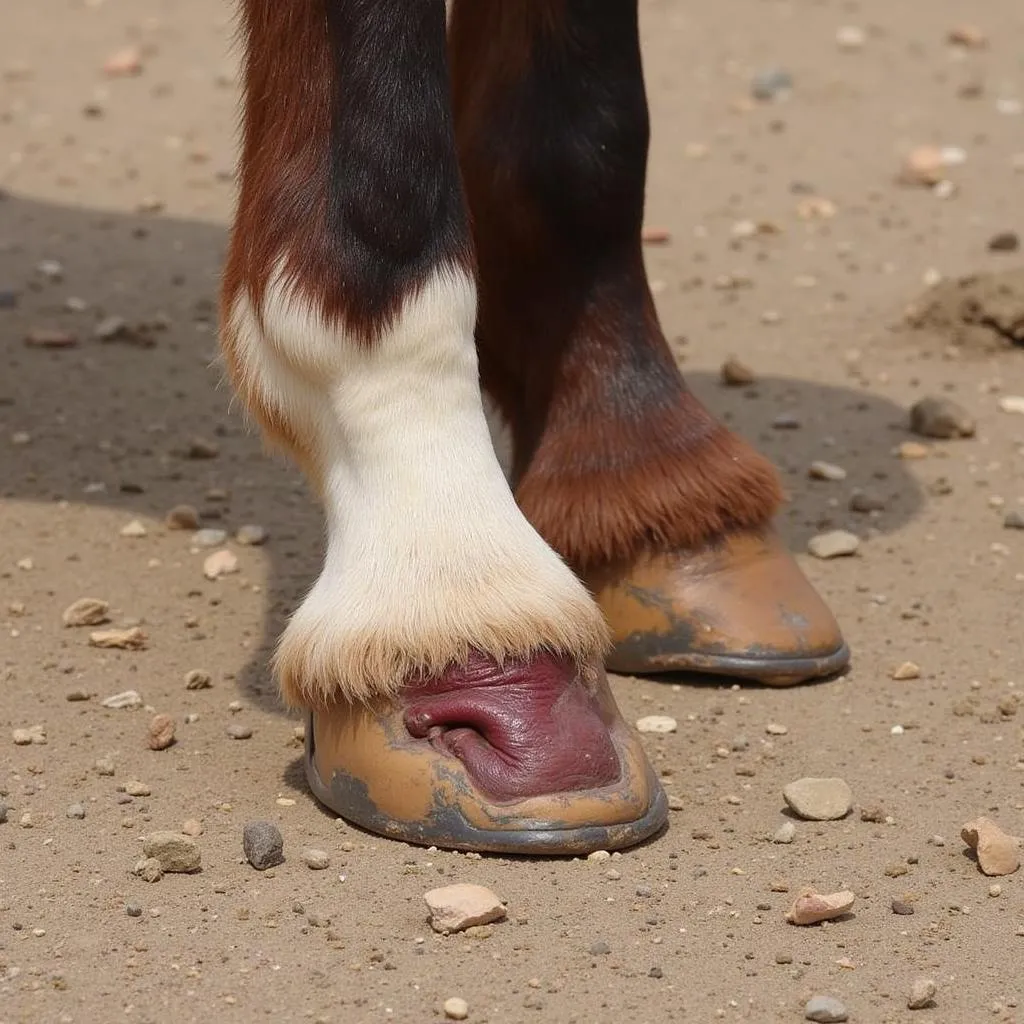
(4, 811)
(133, 910)
(238, 731)
(771, 83)
(174, 851)
(825, 1010)
(75, 811)
(865, 502)
(819, 799)
(263, 844)
(941, 418)
(1014, 520)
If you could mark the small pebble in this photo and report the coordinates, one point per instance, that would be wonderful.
(1014, 520)
(133, 787)
(819, 799)
(736, 374)
(941, 418)
(49, 337)
(127, 699)
(785, 834)
(200, 448)
(1004, 241)
(196, 679)
(922, 994)
(866, 501)
(34, 734)
(76, 811)
(104, 766)
(454, 908)
(913, 450)
(908, 670)
(656, 724)
(825, 1010)
(192, 828)
(771, 84)
(134, 529)
(997, 852)
(787, 421)
(182, 517)
(209, 538)
(851, 38)
(812, 907)
(148, 869)
(834, 544)
(1013, 404)
(238, 731)
(600, 949)
(123, 63)
(174, 851)
(86, 611)
(161, 732)
(316, 860)
(456, 1008)
(826, 471)
(133, 639)
(902, 908)
(251, 535)
(924, 165)
(968, 36)
(133, 910)
(263, 844)
(220, 563)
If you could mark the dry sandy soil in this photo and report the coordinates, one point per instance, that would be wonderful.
(126, 183)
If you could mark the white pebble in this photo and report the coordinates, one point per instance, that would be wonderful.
(456, 1008)
(656, 724)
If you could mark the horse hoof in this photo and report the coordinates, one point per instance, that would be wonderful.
(530, 757)
(740, 607)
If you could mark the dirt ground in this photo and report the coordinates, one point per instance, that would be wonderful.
(117, 191)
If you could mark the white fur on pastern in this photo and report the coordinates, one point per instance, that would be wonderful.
(428, 556)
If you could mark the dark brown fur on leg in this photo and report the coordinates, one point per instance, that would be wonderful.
(614, 456)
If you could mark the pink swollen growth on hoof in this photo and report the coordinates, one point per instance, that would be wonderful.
(522, 729)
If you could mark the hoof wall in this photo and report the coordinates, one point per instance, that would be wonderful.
(528, 758)
(739, 608)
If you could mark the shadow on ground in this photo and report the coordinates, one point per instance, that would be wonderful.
(111, 421)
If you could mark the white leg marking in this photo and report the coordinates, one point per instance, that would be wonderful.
(428, 555)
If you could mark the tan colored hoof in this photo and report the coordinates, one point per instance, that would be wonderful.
(524, 759)
(739, 608)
